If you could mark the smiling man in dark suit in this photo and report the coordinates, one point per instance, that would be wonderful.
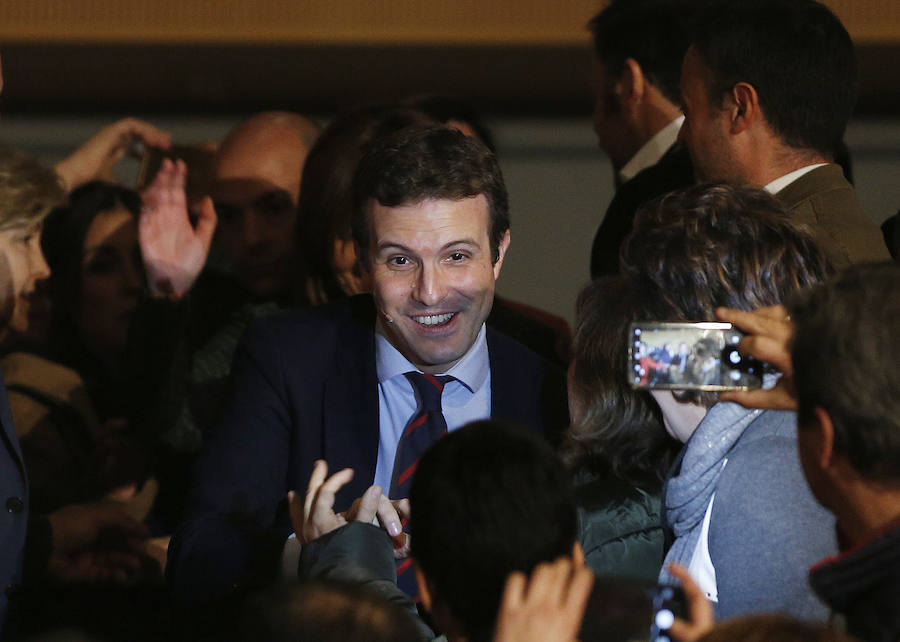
(344, 383)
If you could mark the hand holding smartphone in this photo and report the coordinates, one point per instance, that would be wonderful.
(690, 356)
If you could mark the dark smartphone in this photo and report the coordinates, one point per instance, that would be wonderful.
(198, 158)
(690, 356)
(669, 602)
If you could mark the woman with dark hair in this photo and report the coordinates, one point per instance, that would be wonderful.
(71, 401)
(329, 267)
(616, 444)
(744, 522)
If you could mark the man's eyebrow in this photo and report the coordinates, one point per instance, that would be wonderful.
(388, 245)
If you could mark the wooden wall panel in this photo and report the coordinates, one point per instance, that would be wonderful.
(364, 22)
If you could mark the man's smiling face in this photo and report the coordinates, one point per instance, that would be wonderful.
(432, 276)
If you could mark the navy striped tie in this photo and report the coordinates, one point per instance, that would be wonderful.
(426, 426)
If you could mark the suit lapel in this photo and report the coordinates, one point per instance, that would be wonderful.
(350, 409)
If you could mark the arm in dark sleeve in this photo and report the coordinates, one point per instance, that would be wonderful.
(362, 555)
(236, 520)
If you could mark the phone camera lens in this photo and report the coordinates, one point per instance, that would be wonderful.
(734, 357)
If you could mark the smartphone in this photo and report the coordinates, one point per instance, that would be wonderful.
(669, 602)
(689, 356)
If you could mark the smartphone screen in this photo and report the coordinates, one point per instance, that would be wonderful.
(689, 356)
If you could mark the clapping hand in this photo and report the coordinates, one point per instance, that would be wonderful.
(316, 517)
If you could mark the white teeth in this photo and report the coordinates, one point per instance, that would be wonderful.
(434, 319)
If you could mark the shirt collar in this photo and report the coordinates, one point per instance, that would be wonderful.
(472, 370)
(651, 151)
(783, 181)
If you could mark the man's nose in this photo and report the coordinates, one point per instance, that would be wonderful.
(252, 228)
(430, 287)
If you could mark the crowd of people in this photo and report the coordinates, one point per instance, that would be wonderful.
(272, 395)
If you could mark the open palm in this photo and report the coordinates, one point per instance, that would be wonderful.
(174, 250)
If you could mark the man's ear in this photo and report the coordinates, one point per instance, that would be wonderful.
(743, 106)
(424, 587)
(824, 438)
(501, 253)
(631, 86)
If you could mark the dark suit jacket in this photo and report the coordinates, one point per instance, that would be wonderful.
(673, 171)
(825, 202)
(13, 514)
(305, 388)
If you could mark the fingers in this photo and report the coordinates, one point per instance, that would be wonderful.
(402, 508)
(778, 398)
(700, 610)
(368, 505)
(389, 517)
(770, 333)
(514, 592)
(151, 135)
(316, 479)
(322, 511)
(206, 221)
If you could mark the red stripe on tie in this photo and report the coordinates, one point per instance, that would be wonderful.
(418, 422)
(403, 566)
(434, 381)
(407, 473)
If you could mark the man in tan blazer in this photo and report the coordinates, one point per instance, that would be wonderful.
(768, 88)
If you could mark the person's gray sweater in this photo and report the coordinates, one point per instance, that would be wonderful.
(766, 529)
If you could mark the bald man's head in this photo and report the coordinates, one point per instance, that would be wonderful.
(256, 185)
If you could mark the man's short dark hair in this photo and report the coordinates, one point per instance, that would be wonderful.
(428, 162)
(656, 33)
(487, 499)
(846, 357)
(796, 54)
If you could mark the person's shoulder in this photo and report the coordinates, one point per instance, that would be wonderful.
(340, 318)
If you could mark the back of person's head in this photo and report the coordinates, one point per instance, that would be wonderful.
(845, 355)
(428, 162)
(28, 190)
(323, 611)
(772, 628)
(487, 500)
(715, 245)
(615, 429)
(655, 33)
(326, 200)
(456, 113)
(795, 53)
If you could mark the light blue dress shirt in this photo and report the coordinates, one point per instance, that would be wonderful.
(466, 399)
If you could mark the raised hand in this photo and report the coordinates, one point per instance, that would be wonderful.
(97, 157)
(174, 251)
(700, 610)
(769, 334)
(549, 606)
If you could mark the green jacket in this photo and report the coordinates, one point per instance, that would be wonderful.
(619, 528)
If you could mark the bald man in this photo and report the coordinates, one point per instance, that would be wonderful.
(256, 185)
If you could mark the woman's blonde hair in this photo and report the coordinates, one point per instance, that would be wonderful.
(28, 190)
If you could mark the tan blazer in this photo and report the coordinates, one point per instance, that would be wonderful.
(825, 202)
